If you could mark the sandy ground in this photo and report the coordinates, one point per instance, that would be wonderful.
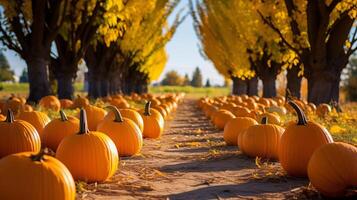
(191, 161)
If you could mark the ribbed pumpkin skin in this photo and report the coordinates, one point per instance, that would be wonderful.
(37, 119)
(153, 127)
(261, 140)
(130, 114)
(18, 136)
(126, 135)
(22, 178)
(234, 127)
(80, 102)
(50, 102)
(272, 118)
(221, 117)
(90, 157)
(297, 145)
(333, 168)
(94, 116)
(56, 130)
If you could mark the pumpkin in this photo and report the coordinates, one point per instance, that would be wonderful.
(125, 134)
(221, 117)
(161, 110)
(37, 119)
(50, 102)
(299, 142)
(17, 136)
(119, 103)
(35, 177)
(234, 127)
(277, 109)
(130, 114)
(333, 168)
(2, 118)
(240, 111)
(14, 105)
(261, 140)
(26, 108)
(90, 156)
(153, 124)
(323, 109)
(66, 103)
(272, 118)
(94, 115)
(80, 102)
(57, 129)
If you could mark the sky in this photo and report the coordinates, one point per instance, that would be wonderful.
(183, 52)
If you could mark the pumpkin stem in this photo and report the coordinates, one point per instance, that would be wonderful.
(301, 115)
(118, 117)
(264, 120)
(39, 156)
(147, 108)
(9, 116)
(83, 124)
(63, 116)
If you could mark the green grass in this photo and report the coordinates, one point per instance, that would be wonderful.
(192, 92)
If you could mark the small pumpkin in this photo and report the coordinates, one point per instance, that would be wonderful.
(35, 177)
(161, 110)
(272, 118)
(153, 124)
(277, 109)
(234, 127)
(37, 119)
(221, 117)
(80, 102)
(333, 168)
(125, 134)
(13, 104)
(50, 102)
(261, 140)
(323, 109)
(94, 115)
(130, 114)
(2, 118)
(17, 136)
(66, 103)
(90, 156)
(57, 129)
(299, 142)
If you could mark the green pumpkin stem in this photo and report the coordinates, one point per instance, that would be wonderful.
(63, 116)
(147, 108)
(83, 124)
(9, 116)
(117, 114)
(264, 120)
(39, 156)
(302, 120)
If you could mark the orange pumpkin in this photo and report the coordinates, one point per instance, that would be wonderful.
(323, 109)
(236, 126)
(90, 156)
(57, 129)
(37, 119)
(161, 110)
(14, 105)
(299, 142)
(153, 123)
(80, 102)
(50, 102)
(272, 118)
(261, 140)
(17, 136)
(2, 118)
(333, 168)
(35, 177)
(66, 103)
(26, 108)
(94, 115)
(221, 117)
(124, 132)
(130, 114)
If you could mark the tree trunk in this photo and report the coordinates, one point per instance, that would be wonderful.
(104, 87)
(252, 86)
(65, 89)
(38, 78)
(293, 86)
(269, 88)
(324, 88)
(239, 86)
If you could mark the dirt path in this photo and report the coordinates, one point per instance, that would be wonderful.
(191, 161)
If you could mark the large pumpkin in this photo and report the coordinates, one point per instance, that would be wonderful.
(153, 124)
(333, 168)
(90, 156)
(94, 115)
(37, 119)
(35, 177)
(17, 136)
(130, 114)
(299, 142)
(261, 140)
(234, 127)
(57, 129)
(124, 132)
(50, 102)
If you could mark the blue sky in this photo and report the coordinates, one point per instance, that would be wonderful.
(183, 52)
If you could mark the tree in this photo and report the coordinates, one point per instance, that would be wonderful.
(172, 78)
(186, 80)
(208, 83)
(29, 27)
(24, 76)
(196, 78)
(6, 74)
(351, 83)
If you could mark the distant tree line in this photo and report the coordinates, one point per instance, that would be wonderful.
(173, 78)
